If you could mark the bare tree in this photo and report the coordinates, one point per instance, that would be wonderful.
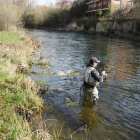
(31, 4)
(20, 3)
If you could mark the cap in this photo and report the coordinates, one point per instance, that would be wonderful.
(94, 59)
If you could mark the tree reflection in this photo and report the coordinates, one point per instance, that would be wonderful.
(89, 116)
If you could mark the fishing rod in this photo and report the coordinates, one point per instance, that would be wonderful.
(109, 41)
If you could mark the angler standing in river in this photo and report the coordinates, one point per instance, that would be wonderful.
(91, 79)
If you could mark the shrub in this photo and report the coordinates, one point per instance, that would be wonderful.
(79, 22)
(10, 16)
(99, 13)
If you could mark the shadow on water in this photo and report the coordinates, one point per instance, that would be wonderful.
(116, 115)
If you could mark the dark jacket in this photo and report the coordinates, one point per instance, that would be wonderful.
(95, 75)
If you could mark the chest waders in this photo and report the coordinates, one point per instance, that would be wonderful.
(90, 94)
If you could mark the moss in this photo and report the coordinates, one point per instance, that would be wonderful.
(72, 103)
(67, 99)
(22, 38)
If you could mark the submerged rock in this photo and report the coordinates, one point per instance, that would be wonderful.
(60, 73)
(35, 72)
(72, 72)
(69, 102)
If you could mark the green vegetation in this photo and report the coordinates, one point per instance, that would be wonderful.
(87, 23)
(2, 76)
(99, 13)
(7, 36)
(54, 17)
(10, 15)
(138, 26)
(18, 93)
(72, 103)
(17, 107)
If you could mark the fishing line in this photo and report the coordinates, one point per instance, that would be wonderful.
(107, 84)
(108, 44)
(121, 96)
(119, 87)
(119, 99)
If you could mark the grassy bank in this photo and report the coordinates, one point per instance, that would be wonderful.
(19, 101)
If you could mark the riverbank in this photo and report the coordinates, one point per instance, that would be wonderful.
(128, 29)
(18, 92)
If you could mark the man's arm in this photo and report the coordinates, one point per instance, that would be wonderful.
(96, 76)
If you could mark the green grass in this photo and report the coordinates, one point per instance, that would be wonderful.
(18, 97)
(14, 59)
(12, 124)
(2, 76)
(7, 36)
(2, 62)
(30, 61)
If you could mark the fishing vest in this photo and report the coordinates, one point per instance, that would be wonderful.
(88, 77)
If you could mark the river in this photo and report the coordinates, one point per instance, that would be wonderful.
(116, 115)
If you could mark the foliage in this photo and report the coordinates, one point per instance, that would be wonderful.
(11, 13)
(10, 16)
(34, 17)
(79, 22)
(50, 17)
(58, 16)
(78, 9)
(28, 18)
(122, 20)
(138, 26)
(99, 13)
(92, 23)
(131, 11)
(87, 23)
(136, 1)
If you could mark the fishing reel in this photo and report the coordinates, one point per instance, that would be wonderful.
(105, 75)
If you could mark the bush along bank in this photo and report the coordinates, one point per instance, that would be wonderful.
(19, 101)
(104, 25)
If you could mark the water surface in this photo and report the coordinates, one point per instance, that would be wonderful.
(116, 115)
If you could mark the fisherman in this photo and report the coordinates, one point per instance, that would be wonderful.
(91, 79)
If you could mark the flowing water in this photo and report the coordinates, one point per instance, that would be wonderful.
(116, 115)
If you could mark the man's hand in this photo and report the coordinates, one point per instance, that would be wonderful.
(104, 74)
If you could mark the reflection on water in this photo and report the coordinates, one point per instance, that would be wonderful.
(116, 115)
(88, 116)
